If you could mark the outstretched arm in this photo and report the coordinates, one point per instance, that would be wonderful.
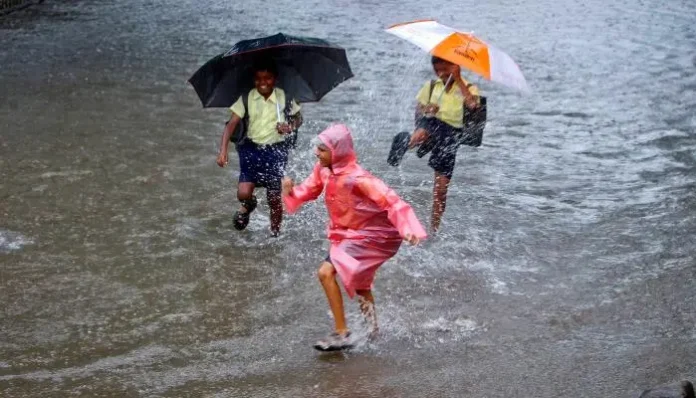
(309, 189)
(399, 212)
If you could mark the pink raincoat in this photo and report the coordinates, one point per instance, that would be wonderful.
(367, 219)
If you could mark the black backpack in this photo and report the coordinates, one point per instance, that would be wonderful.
(474, 121)
(239, 135)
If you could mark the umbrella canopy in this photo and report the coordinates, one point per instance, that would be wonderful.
(463, 49)
(308, 68)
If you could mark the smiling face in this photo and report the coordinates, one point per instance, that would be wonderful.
(323, 153)
(264, 81)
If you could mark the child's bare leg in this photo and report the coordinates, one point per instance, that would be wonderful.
(275, 203)
(417, 138)
(439, 200)
(367, 308)
(245, 191)
(327, 277)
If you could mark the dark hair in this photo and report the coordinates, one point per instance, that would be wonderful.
(437, 60)
(266, 65)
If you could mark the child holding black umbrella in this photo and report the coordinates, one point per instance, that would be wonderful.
(263, 152)
(264, 119)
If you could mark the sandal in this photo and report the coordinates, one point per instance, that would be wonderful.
(241, 219)
(398, 148)
(334, 342)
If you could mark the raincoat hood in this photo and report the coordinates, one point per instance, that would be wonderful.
(338, 139)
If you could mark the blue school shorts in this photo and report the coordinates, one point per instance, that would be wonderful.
(263, 165)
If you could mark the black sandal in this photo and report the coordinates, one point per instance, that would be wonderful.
(241, 220)
(398, 148)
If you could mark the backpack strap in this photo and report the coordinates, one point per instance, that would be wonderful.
(240, 131)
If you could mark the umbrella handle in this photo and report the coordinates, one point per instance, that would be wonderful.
(449, 79)
(277, 107)
(278, 110)
(439, 97)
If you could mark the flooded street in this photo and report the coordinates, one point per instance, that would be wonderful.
(566, 262)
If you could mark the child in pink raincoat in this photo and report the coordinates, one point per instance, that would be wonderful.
(367, 223)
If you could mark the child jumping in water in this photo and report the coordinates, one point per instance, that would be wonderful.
(367, 223)
(444, 106)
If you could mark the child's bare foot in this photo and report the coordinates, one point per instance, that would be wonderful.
(367, 308)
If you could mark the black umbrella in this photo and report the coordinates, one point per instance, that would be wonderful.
(308, 68)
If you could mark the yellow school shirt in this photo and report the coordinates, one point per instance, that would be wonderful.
(263, 116)
(451, 104)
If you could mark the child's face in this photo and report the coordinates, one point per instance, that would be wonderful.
(264, 82)
(323, 154)
(444, 69)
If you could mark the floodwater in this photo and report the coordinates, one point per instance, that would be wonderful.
(566, 262)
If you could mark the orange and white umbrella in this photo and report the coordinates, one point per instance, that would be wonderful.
(463, 49)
